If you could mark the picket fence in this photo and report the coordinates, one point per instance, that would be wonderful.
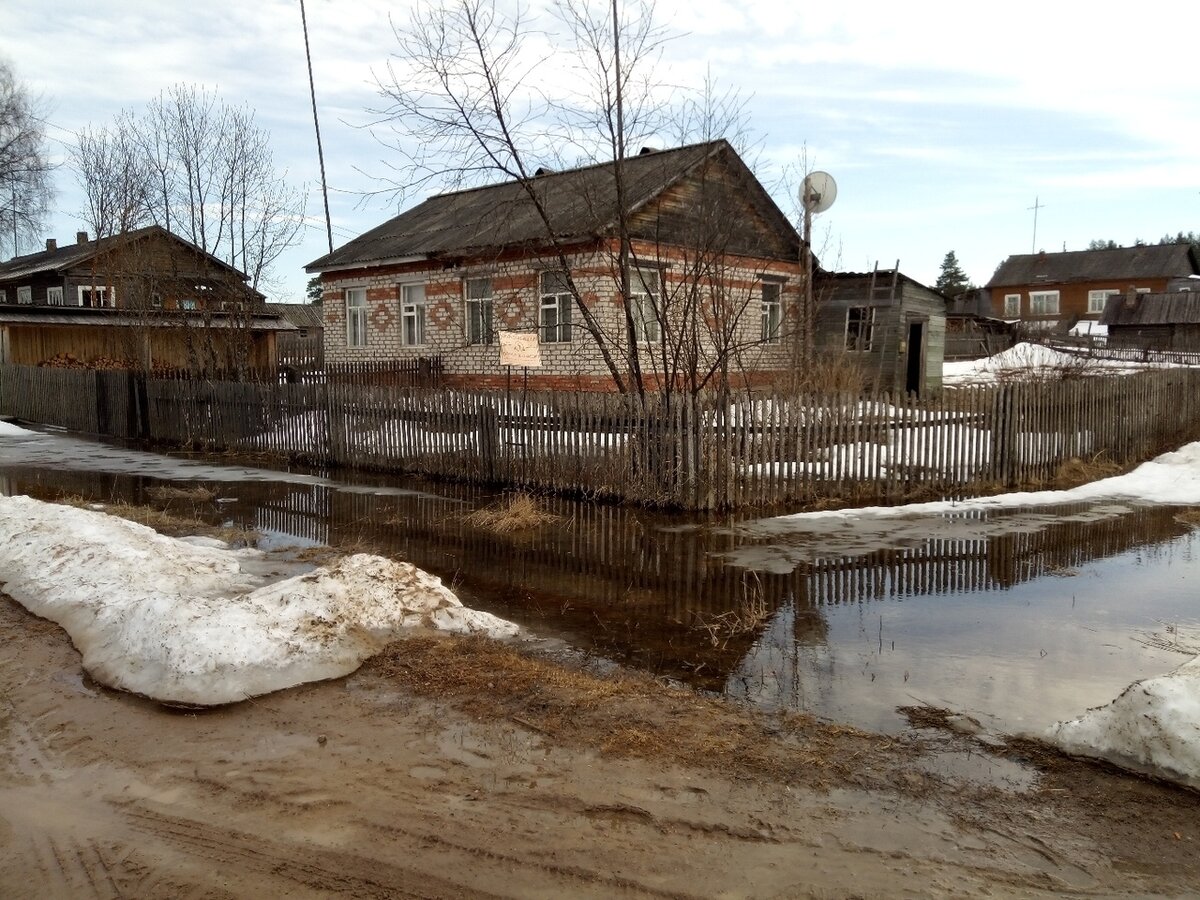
(764, 450)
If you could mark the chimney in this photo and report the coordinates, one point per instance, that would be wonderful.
(51, 244)
(1131, 297)
(81, 237)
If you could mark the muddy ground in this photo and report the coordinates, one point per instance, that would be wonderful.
(457, 768)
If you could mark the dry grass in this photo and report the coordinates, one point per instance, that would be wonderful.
(516, 512)
(1190, 516)
(199, 493)
(1077, 471)
(632, 715)
(168, 523)
(750, 614)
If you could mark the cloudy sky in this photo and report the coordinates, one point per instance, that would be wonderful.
(943, 123)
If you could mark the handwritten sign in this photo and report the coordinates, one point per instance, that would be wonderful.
(518, 349)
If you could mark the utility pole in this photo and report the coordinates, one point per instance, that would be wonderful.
(312, 90)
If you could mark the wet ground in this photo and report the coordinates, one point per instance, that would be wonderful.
(1018, 618)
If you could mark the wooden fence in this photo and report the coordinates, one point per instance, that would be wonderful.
(765, 450)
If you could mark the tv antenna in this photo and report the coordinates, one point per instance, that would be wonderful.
(817, 194)
(1036, 206)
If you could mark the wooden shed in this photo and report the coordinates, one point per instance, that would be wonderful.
(1155, 321)
(894, 326)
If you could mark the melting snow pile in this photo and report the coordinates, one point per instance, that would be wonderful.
(1153, 727)
(182, 623)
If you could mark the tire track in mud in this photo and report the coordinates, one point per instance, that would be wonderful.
(329, 871)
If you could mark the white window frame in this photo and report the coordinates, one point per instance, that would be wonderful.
(108, 296)
(555, 308)
(1012, 306)
(772, 312)
(25, 294)
(412, 314)
(1141, 290)
(480, 310)
(1098, 299)
(645, 287)
(355, 301)
(54, 295)
(189, 304)
(861, 339)
(1043, 303)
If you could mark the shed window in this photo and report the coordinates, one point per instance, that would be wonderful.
(54, 296)
(1097, 299)
(356, 317)
(479, 311)
(1012, 305)
(860, 327)
(412, 314)
(1043, 303)
(25, 294)
(772, 311)
(555, 309)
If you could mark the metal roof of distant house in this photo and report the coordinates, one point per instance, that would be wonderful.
(1175, 308)
(302, 315)
(580, 204)
(1119, 264)
(60, 259)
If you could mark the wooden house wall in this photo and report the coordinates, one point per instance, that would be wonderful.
(30, 345)
(1155, 337)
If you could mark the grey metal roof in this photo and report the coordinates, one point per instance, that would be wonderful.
(302, 315)
(1176, 308)
(65, 258)
(1122, 263)
(580, 204)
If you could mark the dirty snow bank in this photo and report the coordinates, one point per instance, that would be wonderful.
(182, 623)
(1152, 727)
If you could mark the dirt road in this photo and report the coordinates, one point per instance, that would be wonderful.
(399, 782)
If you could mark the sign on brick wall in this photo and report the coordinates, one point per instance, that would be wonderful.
(520, 349)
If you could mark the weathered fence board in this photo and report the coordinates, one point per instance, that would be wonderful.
(702, 453)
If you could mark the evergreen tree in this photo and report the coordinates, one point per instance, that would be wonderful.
(313, 291)
(952, 280)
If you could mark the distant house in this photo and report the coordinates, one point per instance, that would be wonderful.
(145, 298)
(1168, 320)
(1053, 291)
(305, 344)
(714, 274)
(893, 326)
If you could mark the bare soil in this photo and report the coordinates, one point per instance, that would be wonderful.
(463, 768)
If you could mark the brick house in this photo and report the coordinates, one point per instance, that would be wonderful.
(714, 277)
(1054, 291)
(145, 297)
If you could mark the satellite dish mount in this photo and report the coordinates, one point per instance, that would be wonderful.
(817, 194)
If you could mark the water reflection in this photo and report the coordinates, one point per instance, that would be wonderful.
(1019, 614)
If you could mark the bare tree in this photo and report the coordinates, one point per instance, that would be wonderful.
(473, 96)
(25, 167)
(206, 172)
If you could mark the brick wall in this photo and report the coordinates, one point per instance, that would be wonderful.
(574, 365)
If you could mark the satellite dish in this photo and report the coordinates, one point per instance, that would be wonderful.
(818, 192)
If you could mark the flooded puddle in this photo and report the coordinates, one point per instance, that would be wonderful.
(1018, 618)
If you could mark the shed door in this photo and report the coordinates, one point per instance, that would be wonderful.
(913, 380)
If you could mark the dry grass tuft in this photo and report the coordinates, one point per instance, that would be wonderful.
(1077, 471)
(629, 714)
(1190, 516)
(199, 493)
(168, 523)
(517, 512)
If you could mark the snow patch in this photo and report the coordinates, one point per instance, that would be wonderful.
(184, 624)
(1152, 727)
